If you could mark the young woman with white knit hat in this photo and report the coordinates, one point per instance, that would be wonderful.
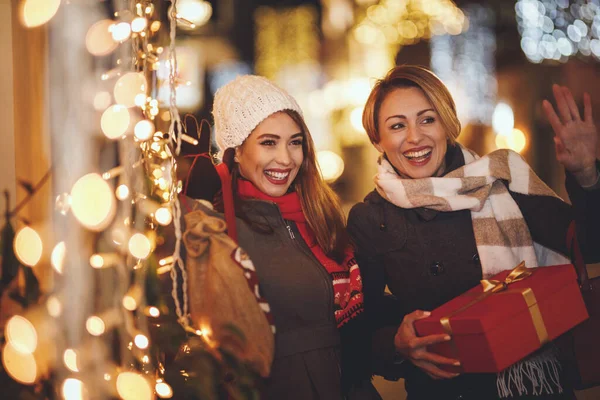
(291, 224)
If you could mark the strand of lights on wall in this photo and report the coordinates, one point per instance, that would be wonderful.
(558, 29)
(125, 218)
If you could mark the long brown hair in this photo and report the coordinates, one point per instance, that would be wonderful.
(320, 204)
(404, 76)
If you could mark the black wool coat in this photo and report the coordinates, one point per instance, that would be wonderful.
(426, 258)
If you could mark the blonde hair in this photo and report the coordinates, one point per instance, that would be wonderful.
(405, 76)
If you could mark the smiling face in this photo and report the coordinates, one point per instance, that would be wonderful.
(411, 133)
(272, 155)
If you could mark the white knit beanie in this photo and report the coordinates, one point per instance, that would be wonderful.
(244, 103)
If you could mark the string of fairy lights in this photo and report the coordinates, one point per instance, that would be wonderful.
(124, 206)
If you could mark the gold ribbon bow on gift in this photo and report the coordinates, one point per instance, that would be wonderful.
(490, 287)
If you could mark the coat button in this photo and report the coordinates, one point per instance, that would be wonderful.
(437, 268)
(476, 259)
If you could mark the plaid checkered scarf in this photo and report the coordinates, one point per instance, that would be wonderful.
(501, 234)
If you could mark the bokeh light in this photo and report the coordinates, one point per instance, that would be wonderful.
(133, 386)
(330, 164)
(21, 334)
(153, 312)
(73, 389)
(503, 119)
(129, 303)
(139, 246)
(95, 325)
(356, 119)
(93, 202)
(98, 40)
(20, 366)
(128, 87)
(139, 24)
(102, 101)
(163, 216)
(122, 192)
(57, 258)
(70, 360)
(28, 246)
(38, 12)
(120, 32)
(97, 261)
(54, 307)
(115, 121)
(141, 341)
(144, 130)
(163, 390)
(515, 140)
(558, 29)
(198, 12)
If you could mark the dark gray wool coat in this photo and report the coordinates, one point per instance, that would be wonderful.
(309, 356)
(427, 258)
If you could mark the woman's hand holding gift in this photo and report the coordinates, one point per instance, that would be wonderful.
(414, 348)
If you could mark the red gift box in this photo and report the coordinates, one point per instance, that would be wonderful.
(495, 327)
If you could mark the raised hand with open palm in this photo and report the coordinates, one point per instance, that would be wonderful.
(576, 139)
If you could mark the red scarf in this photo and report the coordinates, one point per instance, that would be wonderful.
(347, 282)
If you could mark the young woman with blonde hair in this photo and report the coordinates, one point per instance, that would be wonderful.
(441, 218)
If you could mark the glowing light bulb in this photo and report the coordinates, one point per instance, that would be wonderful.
(144, 130)
(38, 12)
(154, 312)
(97, 261)
(115, 121)
(163, 390)
(139, 246)
(121, 32)
(21, 334)
(28, 246)
(20, 366)
(141, 341)
(133, 386)
(98, 40)
(93, 203)
(128, 87)
(70, 360)
(163, 216)
(57, 259)
(95, 325)
(139, 24)
(122, 192)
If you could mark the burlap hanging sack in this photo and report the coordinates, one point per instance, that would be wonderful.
(223, 290)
